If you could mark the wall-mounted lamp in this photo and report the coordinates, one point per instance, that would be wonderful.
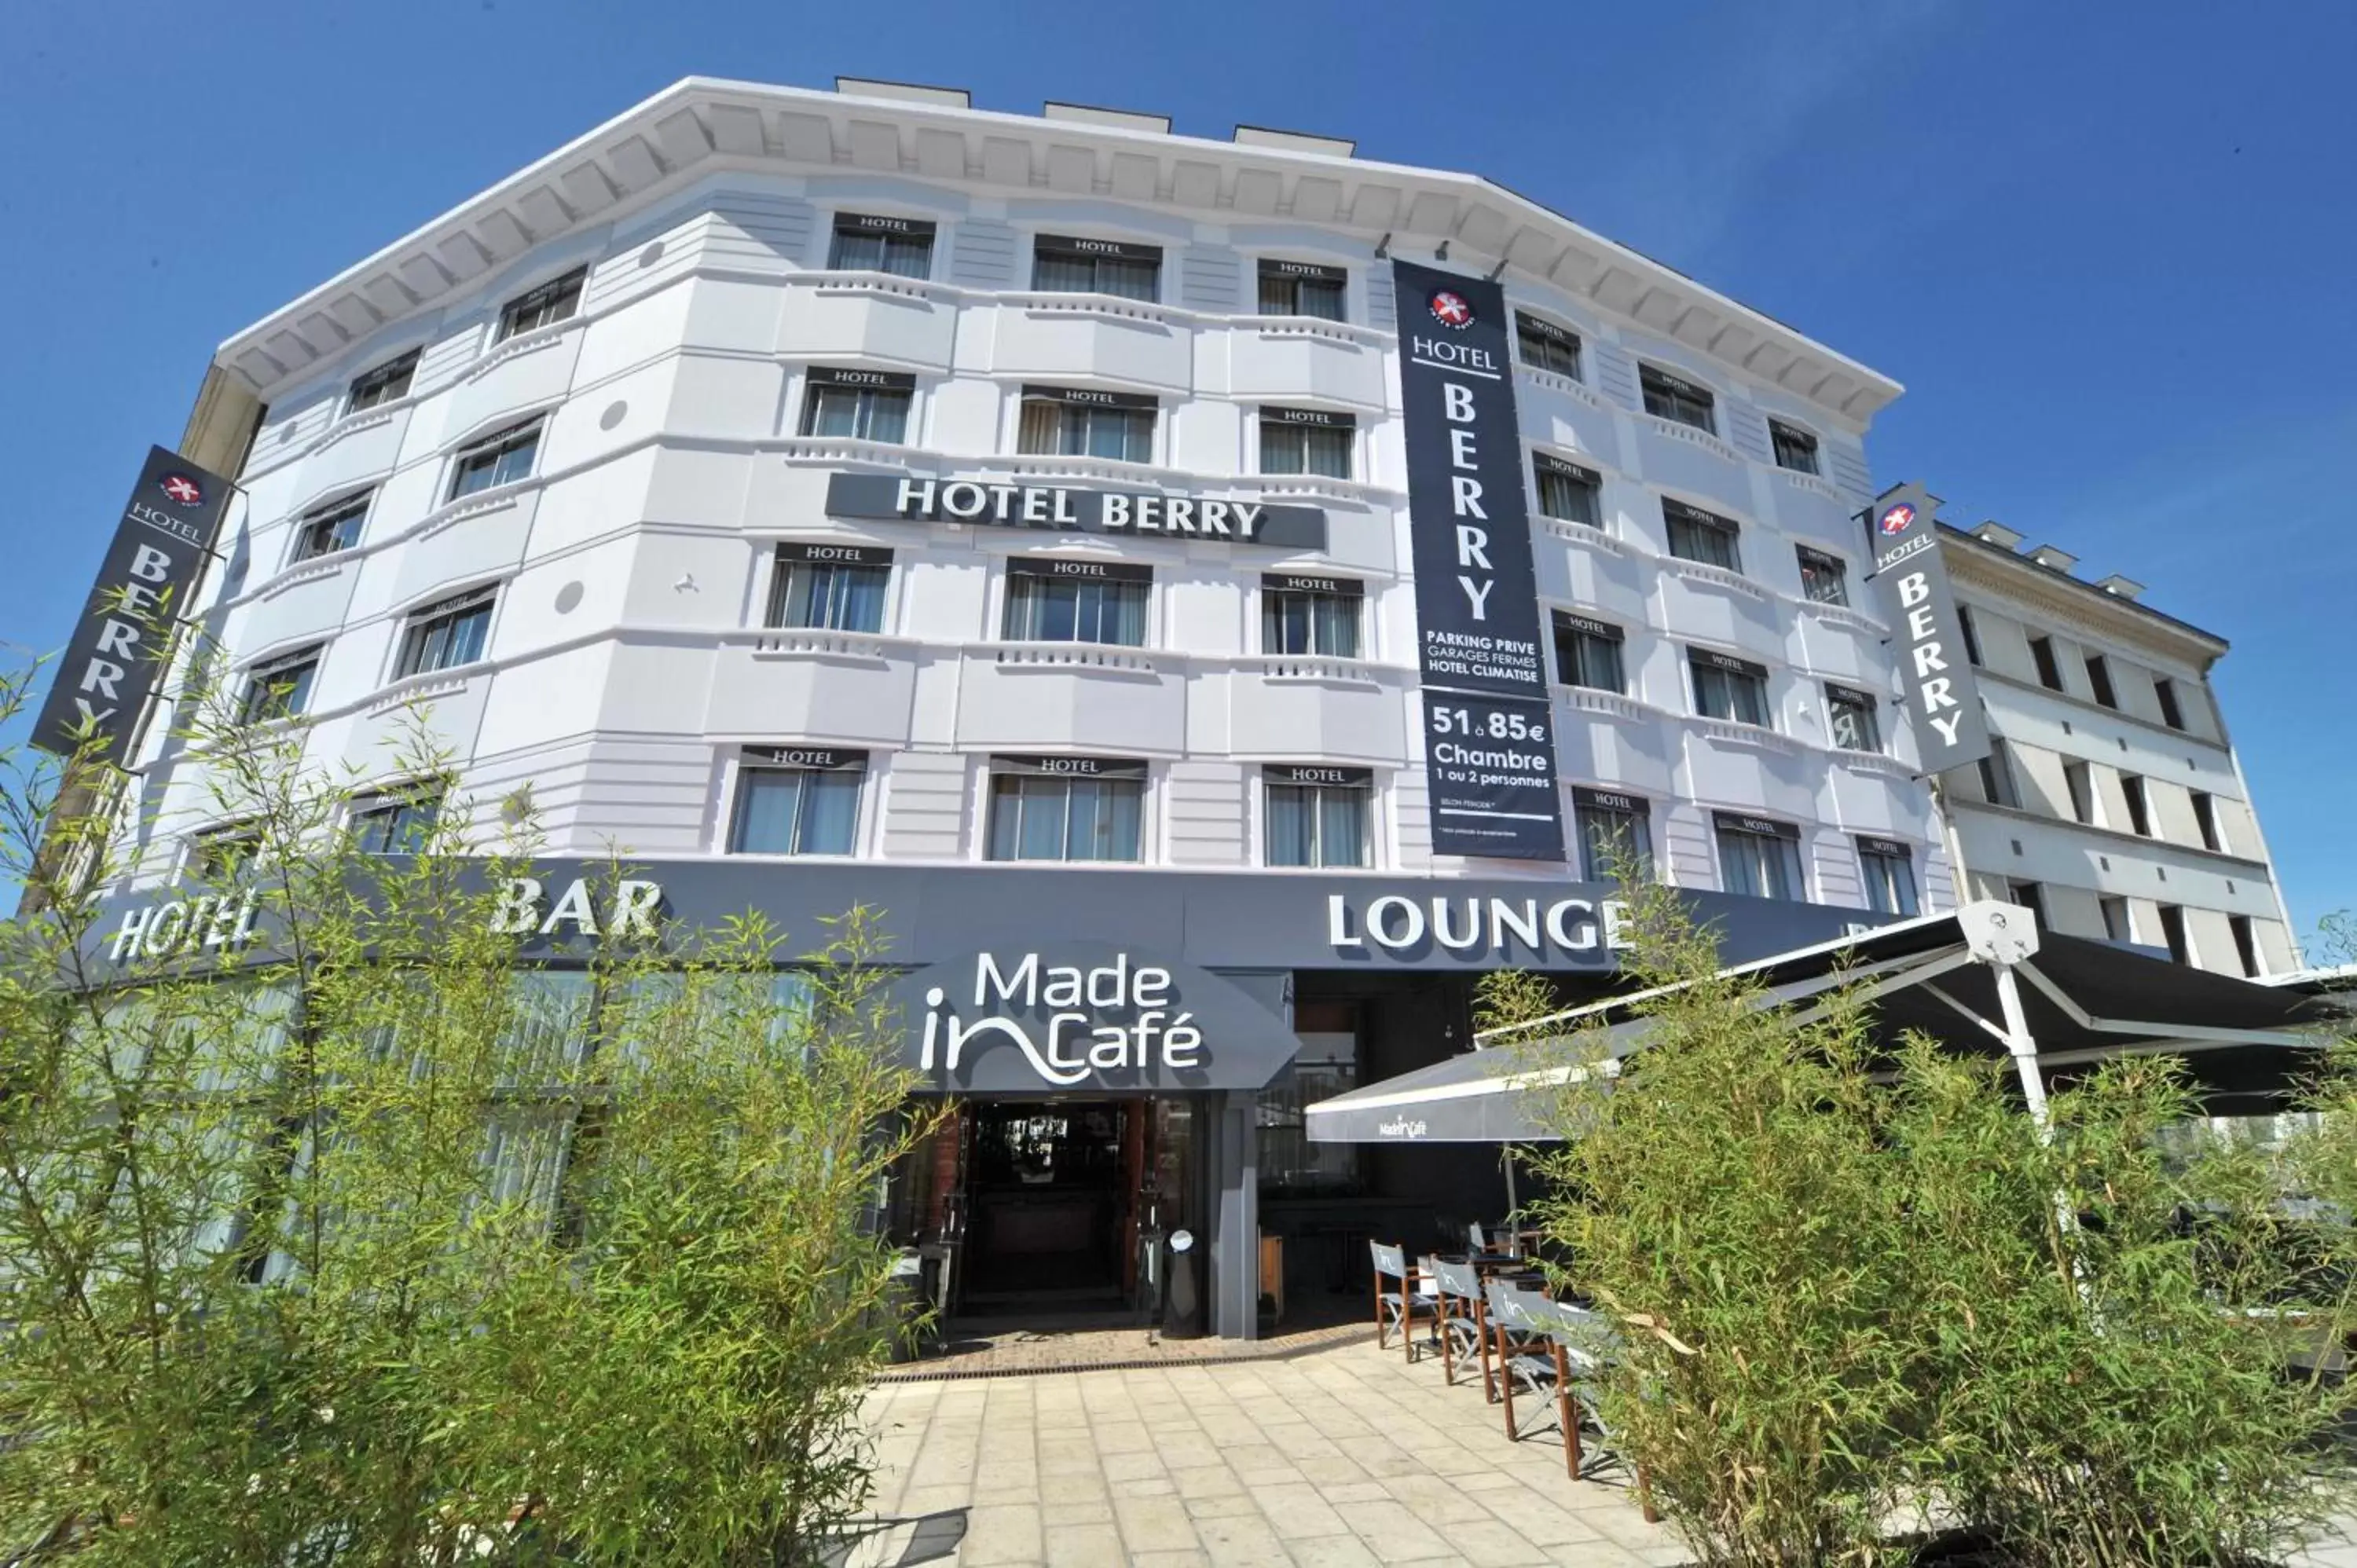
(1495, 272)
(1383, 253)
(1442, 254)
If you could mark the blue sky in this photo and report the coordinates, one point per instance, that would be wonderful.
(2106, 248)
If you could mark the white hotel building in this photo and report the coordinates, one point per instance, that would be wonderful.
(559, 464)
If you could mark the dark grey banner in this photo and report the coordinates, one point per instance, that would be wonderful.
(1068, 509)
(1927, 633)
(109, 667)
(1476, 591)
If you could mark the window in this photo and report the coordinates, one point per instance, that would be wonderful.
(1081, 422)
(1587, 653)
(2050, 670)
(1996, 776)
(872, 243)
(1972, 637)
(1317, 816)
(1301, 288)
(1696, 535)
(554, 301)
(1760, 858)
(2078, 781)
(1670, 397)
(385, 383)
(2139, 812)
(1063, 264)
(1545, 346)
(1825, 579)
(2172, 931)
(1616, 835)
(1889, 869)
(2164, 690)
(1326, 1065)
(279, 688)
(446, 634)
(2030, 897)
(863, 406)
(1567, 492)
(2205, 818)
(223, 854)
(1726, 687)
(331, 528)
(1318, 616)
(2246, 946)
(1066, 807)
(837, 587)
(1850, 719)
(396, 823)
(1795, 448)
(2099, 681)
(1077, 601)
(500, 459)
(2118, 924)
(797, 800)
(1306, 441)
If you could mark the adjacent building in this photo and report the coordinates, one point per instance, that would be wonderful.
(2111, 801)
(1003, 519)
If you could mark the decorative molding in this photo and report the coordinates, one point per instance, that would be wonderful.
(523, 343)
(1070, 658)
(1552, 381)
(1691, 436)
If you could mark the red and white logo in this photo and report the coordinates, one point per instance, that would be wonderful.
(1449, 308)
(182, 488)
(1896, 519)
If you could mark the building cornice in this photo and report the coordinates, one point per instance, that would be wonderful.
(2065, 597)
(701, 125)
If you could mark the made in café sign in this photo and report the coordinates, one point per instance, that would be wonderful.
(1072, 508)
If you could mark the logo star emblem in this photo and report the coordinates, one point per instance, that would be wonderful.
(182, 488)
(1450, 309)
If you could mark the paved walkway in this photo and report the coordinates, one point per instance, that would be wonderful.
(1336, 1456)
(1339, 1457)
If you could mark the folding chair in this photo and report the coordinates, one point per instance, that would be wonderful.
(1563, 1351)
(1398, 1307)
(1464, 1321)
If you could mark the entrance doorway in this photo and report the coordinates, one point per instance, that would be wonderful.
(1050, 1188)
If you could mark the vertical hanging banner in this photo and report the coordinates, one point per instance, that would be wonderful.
(1489, 749)
(110, 666)
(1927, 632)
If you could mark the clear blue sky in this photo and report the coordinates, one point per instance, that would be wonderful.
(2107, 248)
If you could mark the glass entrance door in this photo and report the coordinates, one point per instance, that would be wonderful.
(1049, 1190)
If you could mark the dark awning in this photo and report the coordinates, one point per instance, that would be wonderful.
(2247, 1044)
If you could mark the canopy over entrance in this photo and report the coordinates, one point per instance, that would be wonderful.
(1983, 978)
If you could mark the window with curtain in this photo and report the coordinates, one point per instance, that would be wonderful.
(833, 587)
(1889, 869)
(1074, 422)
(871, 242)
(1545, 346)
(1587, 653)
(446, 634)
(280, 688)
(860, 405)
(1825, 579)
(1795, 448)
(1696, 535)
(1568, 492)
(798, 810)
(1075, 607)
(1759, 859)
(1319, 816)
(1068, 816)
(1301, 288)
(395, 823)
(331, 528)
(1063, 264)
(1306, 441)
(1729, 688)
(1676, 398)
(500, 459)
(1615, 831)
(1309, 616)
(387, 383)
(1850, 719)
(556, 300)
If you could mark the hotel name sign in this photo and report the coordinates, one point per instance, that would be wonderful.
(1071, 509)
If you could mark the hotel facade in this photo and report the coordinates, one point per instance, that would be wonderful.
(1254, 584)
